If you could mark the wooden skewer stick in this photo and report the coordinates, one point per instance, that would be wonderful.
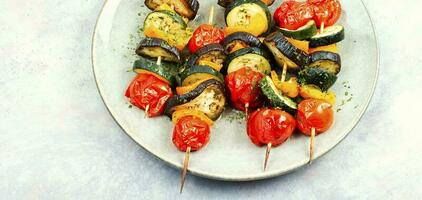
(247, 110)
(267, 155)
(211, 16)
(146, 111)
(321, 29)
(159, 60)
(311, 146)
(284, 73)
(185, 169)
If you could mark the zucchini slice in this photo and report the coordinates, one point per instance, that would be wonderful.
(331, 35)
(286, 52)
(196, 73)
(318, 77)
(275, 97)
(212, 53)
(240, 40)
(225, 3)
(326, 60)
(185, 8)
(169, 26)
(240, 13)
(208, 98)
(155, 47)
(166, 70)
(252, 57)
(305, 32)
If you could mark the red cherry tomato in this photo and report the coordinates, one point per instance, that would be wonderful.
(292, 14)
(316, 114)
(325, 11)
(204, 35)
(243, 86)
(192, 132)
(270, 126)
(146, 90)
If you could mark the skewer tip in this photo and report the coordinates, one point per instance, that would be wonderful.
(185, 169)
(267, 155)
(146, 111)
(311, 147)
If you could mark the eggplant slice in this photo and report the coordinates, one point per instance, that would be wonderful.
(155, 47)
(241, 38)
(208, 97)
(326, 60)
(285, 52)
(185, 8)
(214, 53)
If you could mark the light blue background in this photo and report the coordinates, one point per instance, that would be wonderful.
(57, 140)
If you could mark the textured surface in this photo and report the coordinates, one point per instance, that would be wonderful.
(57, 140)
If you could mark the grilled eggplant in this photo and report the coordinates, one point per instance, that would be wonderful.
(208, 97)
(240, 40)
(285, 52)
(326, 60)
(155, 47)
(185, 8)
(212, 55)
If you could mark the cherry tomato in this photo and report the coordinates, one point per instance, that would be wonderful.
(147, 90)
(192, 132)
(327, 11)
(243, 86)
(316, 114)
(270, 126)
(293, 14)
(204, 35)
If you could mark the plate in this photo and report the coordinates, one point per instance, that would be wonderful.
(229, 155)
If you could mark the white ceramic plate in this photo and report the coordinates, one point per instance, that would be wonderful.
(229, 155)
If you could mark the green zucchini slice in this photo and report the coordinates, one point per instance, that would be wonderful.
(155, 47)
(240, 11)
(331, 35)
(275, 97)
(165, 20)
(213, 53)
(242, 38)
(185, 8)
(305, 32)
(252, 57)
(285, 52)
(196, 73)
(166, 70)
(207, 97)
(326, 60)
(318, 77)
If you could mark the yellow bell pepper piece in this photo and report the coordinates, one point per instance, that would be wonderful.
(313, 92)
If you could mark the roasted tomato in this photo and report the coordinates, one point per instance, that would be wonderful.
(204, 35)
(270, 126)
(325, 11)
(316, 114)
(293, 14)
(243, 86)
(191, 132)
(147, 90)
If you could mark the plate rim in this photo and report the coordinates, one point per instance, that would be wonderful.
(251, 177)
